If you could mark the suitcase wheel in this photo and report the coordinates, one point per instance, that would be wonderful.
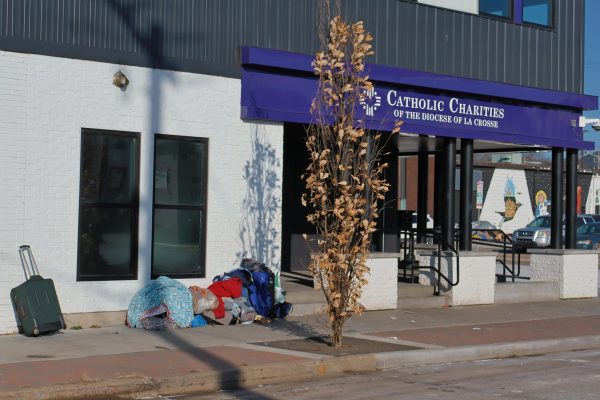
(36, 330)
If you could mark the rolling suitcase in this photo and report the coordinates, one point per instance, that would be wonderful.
(36, 305)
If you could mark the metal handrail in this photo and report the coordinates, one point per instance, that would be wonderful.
(438, 239)
(440, 275)
(409, 251)
(506, 242)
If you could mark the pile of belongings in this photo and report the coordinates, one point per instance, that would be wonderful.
(162, 304)
(248, 293)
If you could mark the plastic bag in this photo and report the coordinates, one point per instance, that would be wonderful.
(279, 293)
(204, 299)
(241, 309)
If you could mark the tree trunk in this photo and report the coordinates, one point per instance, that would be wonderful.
(337, 327)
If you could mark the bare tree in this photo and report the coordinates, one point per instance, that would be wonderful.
(344, 179)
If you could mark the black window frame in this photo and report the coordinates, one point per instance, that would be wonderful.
(540, 26)
(510, 17)
(203, 208)
(133, 275)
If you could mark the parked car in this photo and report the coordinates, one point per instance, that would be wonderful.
(537, 232)
(588, 236)
(482, 225)
(590, 217)
(484, 234)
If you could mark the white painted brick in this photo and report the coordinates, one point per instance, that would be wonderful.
(381, 292)
(577, 274)
(44, 103)
(477, 278)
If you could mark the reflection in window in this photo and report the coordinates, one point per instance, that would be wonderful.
(497, 8)
(108, 218)
(537, 12)
(179, 206)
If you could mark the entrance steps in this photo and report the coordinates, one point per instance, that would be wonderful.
(412, 295)
(526, 292)
(300, 293)
(309, 301)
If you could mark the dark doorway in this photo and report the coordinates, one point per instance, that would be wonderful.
(295, 253)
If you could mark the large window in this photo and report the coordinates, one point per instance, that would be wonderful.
(537, 12)
(496, 8)
(179, 235)
(108, 205)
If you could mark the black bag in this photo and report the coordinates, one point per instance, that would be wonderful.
(35, 303)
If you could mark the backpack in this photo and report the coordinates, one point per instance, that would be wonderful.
(260, 291)
(258, 285)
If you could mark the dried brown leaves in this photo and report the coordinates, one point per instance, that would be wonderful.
(344, 177)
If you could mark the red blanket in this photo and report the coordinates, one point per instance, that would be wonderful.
(229, 288)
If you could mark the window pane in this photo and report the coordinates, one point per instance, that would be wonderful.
(105, 241)
(500, 8)
(107, 168)
(177, 242)
(537, 11)
(178, 172)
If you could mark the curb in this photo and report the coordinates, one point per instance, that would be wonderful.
(252, 376)
(399, 359)
(124, 388)
(209, 381)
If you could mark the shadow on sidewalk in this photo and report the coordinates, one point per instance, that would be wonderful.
(296, 328)
(230, 375)
(150, 39)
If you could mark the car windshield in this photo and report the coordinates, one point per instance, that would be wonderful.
(589, 229)
(482, 225)
(540, 222)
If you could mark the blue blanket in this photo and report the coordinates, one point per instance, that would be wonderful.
(164, 295)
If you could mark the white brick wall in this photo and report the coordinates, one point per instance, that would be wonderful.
(381, 290)
(381, 293)
(13, 128)
(577, 274)
(44, 103)
(476, 280)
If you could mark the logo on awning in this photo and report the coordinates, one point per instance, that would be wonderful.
(371, 102)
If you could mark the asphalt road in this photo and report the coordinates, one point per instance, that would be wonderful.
(561, 376)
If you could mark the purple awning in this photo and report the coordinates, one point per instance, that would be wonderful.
(279, 86)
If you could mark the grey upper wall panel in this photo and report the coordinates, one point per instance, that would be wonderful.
(204, 36)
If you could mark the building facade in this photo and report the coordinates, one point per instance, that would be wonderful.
(139, 138)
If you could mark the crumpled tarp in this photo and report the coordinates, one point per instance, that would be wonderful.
(160, 295)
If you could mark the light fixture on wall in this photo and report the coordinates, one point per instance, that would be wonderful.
(120, 80)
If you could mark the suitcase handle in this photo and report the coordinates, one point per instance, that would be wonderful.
(28, 263)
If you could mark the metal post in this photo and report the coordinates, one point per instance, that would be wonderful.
(556, 206)
(447, 206)
(422, 189)
(437, 189)
(570, 210)
(466, 192)
(388, 216)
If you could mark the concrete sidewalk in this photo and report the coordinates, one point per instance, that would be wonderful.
(119, 361)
